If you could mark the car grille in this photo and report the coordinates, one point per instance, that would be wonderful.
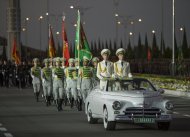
(136, 112)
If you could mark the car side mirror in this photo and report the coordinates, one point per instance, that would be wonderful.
(161, 91)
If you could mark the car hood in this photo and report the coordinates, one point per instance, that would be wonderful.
(134, 93)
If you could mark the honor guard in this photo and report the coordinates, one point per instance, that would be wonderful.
(6, 72)
(85, 79)
(95, 80)
(58, 84)
(63, 63)
(47, 81)
(16, 74)
(71, 74)
(121, 68)
(36, 78)
(104, 69)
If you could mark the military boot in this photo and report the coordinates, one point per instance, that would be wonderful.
(72, 102)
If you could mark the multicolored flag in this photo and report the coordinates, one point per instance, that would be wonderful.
(66, 53)
(81, 43)
(15, 53)
(52, 50)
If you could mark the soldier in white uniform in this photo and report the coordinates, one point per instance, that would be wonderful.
(121, 68)
(104, 69)
(36, 77)
(85, 78)
(71, 74)
(58, 84)
(95, 80)
(46, 76)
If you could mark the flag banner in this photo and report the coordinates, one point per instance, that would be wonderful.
(15, 53)
(81, 43)
(66, 53)
(52, 50)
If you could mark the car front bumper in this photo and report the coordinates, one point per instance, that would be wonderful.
(161, 118)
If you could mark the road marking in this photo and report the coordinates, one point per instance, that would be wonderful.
(8, 134)
(176, 113)
(186, 115)
(3, 129)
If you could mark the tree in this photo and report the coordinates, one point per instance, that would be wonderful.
(175, 47)
(155, 50)
(129, 52)
(121, 44)
(106, 45)
(145, 47)
(139, 48)
(185, 45)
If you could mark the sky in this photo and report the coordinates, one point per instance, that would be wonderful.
(99, 19)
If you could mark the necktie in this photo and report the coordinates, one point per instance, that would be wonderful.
(106, 63)
(122, 63)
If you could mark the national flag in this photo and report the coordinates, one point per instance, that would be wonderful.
(81, 43)
(149, 55)
(15, 53)
(66, 53)
(52, 50)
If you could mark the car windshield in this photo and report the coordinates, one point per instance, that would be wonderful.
(128, 85)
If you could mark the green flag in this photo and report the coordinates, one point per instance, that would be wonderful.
(81, 43)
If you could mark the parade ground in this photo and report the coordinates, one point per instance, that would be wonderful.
(22, 116)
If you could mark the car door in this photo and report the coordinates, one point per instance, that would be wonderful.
(97, 102)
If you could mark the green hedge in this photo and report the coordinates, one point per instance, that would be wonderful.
(168, 82)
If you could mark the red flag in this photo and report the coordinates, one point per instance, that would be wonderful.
(149, 55)
(52, 51)
(15, 53)
(66, 53)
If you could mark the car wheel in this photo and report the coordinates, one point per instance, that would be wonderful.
(163, 125)
(90, 119)
(108, 125)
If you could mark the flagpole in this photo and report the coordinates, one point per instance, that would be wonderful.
(63, 33)
(78, 23)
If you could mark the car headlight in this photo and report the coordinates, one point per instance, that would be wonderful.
(169, 106)
(116, 105)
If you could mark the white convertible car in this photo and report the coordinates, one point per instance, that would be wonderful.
(137, 101)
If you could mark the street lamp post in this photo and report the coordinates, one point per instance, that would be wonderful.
(173, 38)
(40, 29)
(26, 36)
(116, 4)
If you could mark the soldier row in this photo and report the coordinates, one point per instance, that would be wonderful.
(73, 83)
(12, 74)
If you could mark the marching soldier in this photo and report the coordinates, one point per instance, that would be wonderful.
(104, 69)
(71, 82)
(121, 68)
(47, 81)
(36, 78)
(95, 80)
(85, 80)
(58, 84)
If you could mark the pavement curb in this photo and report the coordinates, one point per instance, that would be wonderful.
(177, 93)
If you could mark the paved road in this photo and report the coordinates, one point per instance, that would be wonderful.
(21, 116)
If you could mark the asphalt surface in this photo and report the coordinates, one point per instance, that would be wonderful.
(22, 116)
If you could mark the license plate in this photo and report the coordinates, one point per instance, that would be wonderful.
(144, 120)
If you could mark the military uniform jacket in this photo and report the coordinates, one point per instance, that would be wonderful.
(104, 69)
(46, 74)
(36, 74)
(122, 69)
